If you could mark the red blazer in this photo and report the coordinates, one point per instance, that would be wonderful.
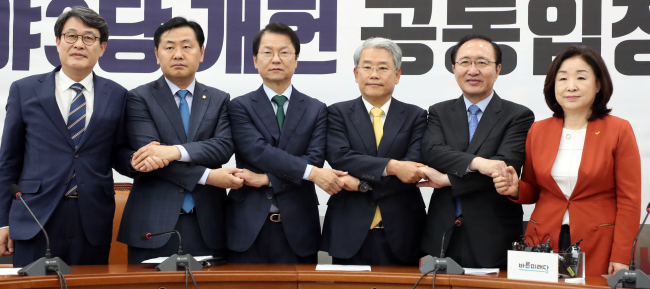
(605, 206)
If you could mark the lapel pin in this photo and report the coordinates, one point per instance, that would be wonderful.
(597, 132)
(204, 97)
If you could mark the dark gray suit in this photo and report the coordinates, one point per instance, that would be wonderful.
(156, 197)
(491, 221)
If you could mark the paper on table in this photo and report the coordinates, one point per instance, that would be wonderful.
(324, 267)
(481, 271)
(9, 271)
(162, 259)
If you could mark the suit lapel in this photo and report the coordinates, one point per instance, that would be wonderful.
(486, 124)
(199, 107)
(392, 126)
(45, 93)
(295, 112)
(553, 146)
(590, 150)
(102, 97)
(459, 123)
(361, 119)
(264, 109)
(163, 95)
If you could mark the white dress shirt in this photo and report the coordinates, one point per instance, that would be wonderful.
(567, 163)
(64, 94)
(185, 156)
(385, 108)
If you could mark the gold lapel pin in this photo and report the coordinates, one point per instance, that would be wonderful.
(597, 132)
(204, 97)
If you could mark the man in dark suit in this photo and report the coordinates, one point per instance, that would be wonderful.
(377, 218)
(467, 139)
(191, 121)
(280, 143)
(63, 134)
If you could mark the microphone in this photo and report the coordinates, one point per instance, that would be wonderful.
(147, 236)
(442, 264)
(176, 262)
(45, 265)
(457, 223)
(632, 278)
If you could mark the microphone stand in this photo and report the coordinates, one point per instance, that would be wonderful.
(45, 265)
(632, 278)
(176, 262)
(444, 265)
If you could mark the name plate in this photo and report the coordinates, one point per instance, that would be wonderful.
(533, 266)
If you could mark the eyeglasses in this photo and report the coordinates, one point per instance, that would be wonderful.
(268, 55)
(87, 39)
(382, 70)
(482, 63)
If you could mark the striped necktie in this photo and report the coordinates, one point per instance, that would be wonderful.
(76, 127)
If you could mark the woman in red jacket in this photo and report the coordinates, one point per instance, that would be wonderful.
(582, 167)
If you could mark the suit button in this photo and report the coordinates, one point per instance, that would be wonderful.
(181, 190)
(76, 156)
(269, 197)
(373, 204)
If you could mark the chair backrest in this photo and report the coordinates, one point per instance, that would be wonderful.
(119, 250)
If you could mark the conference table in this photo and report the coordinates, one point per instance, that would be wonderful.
(274, 276)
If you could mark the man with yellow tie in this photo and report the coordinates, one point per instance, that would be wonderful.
(377, 219)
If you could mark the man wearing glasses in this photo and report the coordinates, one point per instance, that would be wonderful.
(63, 134)
(378, 218)
(466, 140)
(279, 136)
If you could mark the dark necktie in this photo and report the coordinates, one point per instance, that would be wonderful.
(76, 127)
(279, 100)
(184, 109)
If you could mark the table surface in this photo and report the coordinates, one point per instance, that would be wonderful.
(289, 275)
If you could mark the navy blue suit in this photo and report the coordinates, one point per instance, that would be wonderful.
(351, 147)
(261, 148)
(38, 154)
(156, 197)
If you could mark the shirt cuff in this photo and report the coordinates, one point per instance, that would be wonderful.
(305, 176)
(384, 173)
(204, 178)
(185, 156)
(4, 227)
(468, 170)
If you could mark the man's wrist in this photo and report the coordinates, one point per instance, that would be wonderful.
(475, 164)
(131, 168)
(313, 173)
(390, 167)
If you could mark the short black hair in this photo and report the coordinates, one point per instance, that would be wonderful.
(177, 22)
(497, 50)
(592, 57)
(277, 28)
(89, 18)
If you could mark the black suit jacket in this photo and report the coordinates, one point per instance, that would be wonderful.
(351, 147)
(37, 153)
(493, 222)
(283, 157)
(156, 197)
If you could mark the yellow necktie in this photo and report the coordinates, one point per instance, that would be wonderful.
(379, 132)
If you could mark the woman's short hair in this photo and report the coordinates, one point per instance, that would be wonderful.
(592, 57)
